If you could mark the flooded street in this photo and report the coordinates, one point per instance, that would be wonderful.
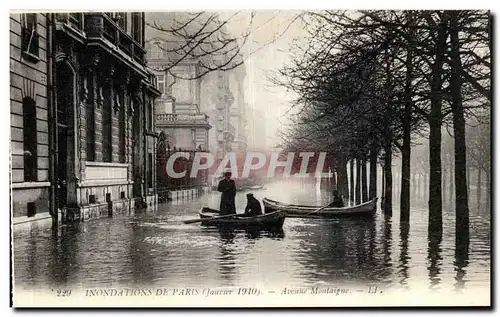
(159, 250)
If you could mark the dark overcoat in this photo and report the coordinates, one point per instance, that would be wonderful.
(228, 190)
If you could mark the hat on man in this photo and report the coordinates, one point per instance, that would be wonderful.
(249, 195)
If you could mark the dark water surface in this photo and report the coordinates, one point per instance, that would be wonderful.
(158, 250)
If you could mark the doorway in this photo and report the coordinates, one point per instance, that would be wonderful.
(65, 158)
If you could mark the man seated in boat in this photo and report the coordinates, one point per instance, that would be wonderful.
(337, 200)
(253, 207)
(228, 189)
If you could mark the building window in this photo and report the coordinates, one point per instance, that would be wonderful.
(121, 19)
(31, 210)
(122, 127)
(30, 38)
(160, 83)
(90, 118)
(30, 140)
(156, 50)
(137, 27)
(107, 114)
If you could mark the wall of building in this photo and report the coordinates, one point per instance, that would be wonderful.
(87, 184)
(28, 79)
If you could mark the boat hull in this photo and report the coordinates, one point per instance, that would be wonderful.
(366, 209)
(271, 221)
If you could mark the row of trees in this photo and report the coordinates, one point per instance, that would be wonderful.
(370, 82)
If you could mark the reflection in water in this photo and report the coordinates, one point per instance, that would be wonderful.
(434, 258)
(227, 259)
(140, 256)
(159, 249)
(63, 260)
(342, 253)
(29, 271)
(227, 235)
(387, 241)
(404, 258)
(461, 257)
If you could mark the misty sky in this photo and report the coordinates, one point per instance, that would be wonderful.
(260, 93)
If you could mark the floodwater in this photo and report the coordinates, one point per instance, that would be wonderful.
(158, 250)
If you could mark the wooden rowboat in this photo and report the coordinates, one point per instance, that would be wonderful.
(365, 209)
(273, 220)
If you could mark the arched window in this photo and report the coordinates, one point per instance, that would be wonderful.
(30, 140)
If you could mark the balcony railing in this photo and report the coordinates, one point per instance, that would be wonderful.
(181, 118)
(101, 25)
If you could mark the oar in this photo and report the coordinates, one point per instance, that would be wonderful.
(201, 219)
(317, 210)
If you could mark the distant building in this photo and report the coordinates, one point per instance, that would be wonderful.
(207, 113)
(81, 115)
(238, 117)
(181, 123)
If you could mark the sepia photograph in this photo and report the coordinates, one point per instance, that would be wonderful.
(250, 158)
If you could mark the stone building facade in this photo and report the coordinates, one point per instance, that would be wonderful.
(206, 113)
(99, 113)
(223, 99)
(29, 117)
(238, 111)
(180, 122)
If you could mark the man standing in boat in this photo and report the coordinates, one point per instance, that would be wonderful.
(337, 200)
(253, 207)
(228, 189)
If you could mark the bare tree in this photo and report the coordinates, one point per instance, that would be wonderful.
(204, 38)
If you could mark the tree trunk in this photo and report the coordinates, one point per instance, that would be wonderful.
(406, 150)
(478, 189)
(435, 122)
(358, 182)
(351, 188)
(373, 173)
(461, 196)
(333, 181)
(342, 185)
(388, 180)
(364, 181)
